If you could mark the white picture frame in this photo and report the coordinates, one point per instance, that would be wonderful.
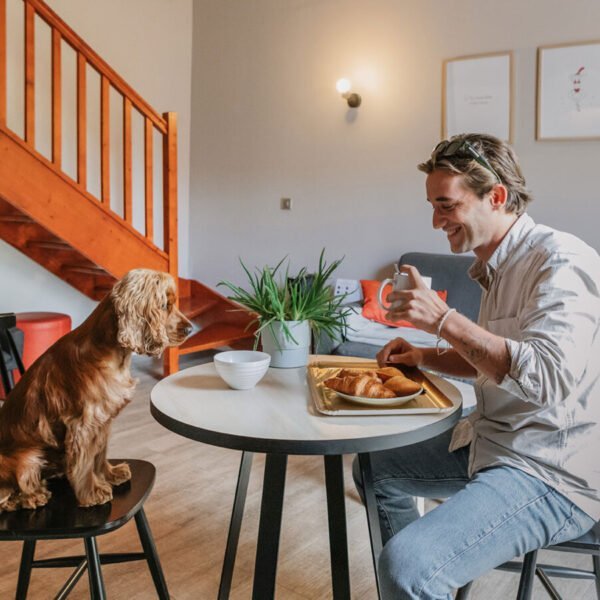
(477, 93)
(568, 91)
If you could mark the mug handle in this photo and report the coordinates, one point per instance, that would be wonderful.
(380, 293)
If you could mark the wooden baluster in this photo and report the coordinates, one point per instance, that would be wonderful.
(170, 215)
(29, 75)
(148, 175)
(127, 202)
(56, 99)
(105, 141)
(3, 19)
(81, 121)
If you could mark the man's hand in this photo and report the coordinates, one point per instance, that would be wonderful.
(399, 351)
(419, 305)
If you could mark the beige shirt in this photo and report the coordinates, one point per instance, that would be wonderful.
(541, 293)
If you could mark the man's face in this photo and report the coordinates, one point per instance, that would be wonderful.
(467, 220)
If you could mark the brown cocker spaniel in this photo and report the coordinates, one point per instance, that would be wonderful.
(57, 419)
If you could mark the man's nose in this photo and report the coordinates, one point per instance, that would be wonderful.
(437, 220)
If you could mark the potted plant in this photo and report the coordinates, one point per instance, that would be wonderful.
(288, 309)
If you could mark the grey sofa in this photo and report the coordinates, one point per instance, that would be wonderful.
(448, 272)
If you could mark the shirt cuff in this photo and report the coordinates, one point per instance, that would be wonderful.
(514, 380)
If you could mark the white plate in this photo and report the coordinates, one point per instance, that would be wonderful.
(396, 401)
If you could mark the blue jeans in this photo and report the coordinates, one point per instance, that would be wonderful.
(500, 513)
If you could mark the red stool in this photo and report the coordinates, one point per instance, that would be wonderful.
(41, 330)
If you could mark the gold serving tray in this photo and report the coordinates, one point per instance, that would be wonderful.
(327, 402)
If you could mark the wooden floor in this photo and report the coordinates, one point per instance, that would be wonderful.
(189, 513)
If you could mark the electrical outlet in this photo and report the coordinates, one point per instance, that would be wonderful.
(350, 287)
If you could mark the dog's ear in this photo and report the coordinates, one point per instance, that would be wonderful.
(139, 300)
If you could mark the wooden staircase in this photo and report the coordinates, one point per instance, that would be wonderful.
(79, 237)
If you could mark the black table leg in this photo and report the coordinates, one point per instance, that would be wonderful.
(338, 539)
(269, 528)
(235, 525)
(364, 461)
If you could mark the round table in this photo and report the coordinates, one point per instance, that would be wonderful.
(278, 418)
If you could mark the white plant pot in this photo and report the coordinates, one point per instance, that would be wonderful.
(285, 353)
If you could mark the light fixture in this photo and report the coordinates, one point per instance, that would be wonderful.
(344, 86)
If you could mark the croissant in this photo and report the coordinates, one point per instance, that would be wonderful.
(358, 373)
(364, 386)
(402, 386)
(388, 372)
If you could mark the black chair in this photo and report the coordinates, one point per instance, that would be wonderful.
(588, 543)
(11, 344)
(61, 518)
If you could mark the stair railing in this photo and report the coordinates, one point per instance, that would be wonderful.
(166, 124)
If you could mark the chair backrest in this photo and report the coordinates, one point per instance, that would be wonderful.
(10, 356)
(449, 272)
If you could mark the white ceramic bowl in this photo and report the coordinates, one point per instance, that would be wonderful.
(242, 369)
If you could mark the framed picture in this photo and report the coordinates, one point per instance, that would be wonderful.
(477, 95)
(568, 92)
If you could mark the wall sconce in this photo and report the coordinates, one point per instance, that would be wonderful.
(343, 86)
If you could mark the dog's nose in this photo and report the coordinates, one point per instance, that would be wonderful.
(187, 328)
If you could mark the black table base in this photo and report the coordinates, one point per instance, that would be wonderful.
(265, 569)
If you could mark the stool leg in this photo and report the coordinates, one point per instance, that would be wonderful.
(151, 555)
(97, 590)
(596, 560)
(527, 576)
(25, 569)
(463, 592)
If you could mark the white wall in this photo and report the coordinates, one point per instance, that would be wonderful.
(149, 43)
(267, 122)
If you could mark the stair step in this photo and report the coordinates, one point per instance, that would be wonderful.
(100, 291)
(194, 306)
(50, 245)
(86, 270)
(214, 336)
(16, 218)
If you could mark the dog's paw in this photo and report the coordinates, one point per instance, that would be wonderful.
(101, 494)
(10, 503)
(118, 474)
(36, 499)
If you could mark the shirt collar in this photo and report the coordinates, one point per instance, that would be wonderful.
(484, 271)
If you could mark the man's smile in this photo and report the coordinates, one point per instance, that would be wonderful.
(450, 231)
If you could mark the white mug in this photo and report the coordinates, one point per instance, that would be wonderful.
(400, 282)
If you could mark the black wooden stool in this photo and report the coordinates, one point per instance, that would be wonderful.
(61, 518)
(11, 344)
(589, 543)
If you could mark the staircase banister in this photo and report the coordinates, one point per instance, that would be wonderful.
(54, 21)
(84, 193)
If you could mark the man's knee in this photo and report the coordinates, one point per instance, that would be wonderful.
(408, 569)
(403, 568)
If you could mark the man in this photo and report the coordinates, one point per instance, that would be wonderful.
(521, 472)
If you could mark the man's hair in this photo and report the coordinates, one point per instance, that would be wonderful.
(479, 179)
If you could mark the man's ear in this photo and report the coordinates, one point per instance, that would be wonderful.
(498, 196)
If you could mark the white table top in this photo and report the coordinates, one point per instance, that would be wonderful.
(278, 415)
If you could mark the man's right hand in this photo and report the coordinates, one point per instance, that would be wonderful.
(399, 351)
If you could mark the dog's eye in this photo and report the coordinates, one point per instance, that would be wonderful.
(165, 306)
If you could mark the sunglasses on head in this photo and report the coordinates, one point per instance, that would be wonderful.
(447, 149)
